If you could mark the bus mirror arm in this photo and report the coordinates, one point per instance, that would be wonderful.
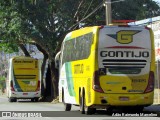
(57, 59)
(57, 64)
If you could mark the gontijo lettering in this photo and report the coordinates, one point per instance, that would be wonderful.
(144, 54)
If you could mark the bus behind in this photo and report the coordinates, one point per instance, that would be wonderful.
(24, 80)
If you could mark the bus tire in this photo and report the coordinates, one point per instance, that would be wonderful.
(133, 109)
(12, 99)
(90, 111)
(136, 109)
(85, 109)
(109, 110)
(15, 100)
(36, 99)
(82, 105)
(67, 107)
(32, 99)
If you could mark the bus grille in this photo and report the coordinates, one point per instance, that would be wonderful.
(124, 63)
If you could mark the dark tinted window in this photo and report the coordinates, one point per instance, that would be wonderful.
(77, 48)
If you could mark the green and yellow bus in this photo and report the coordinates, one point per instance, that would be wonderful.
(24, 79)
(103, 66)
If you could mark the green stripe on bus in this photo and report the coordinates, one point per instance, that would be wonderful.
(17, 86)
(69, 79)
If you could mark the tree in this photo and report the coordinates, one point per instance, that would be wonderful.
(11, 26)
(135, 9)
(46, 22)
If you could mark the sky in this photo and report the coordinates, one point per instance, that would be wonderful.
(157, 1)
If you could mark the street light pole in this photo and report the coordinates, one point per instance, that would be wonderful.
(108, 12)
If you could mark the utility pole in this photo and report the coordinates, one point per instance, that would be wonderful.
(108, 12)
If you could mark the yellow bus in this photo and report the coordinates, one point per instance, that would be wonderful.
(105, 66)
(24, 79)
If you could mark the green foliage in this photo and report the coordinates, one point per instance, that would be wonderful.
(8, 47)
(2, 82)
(47, 21)
(135, 9)
(10, 27)
(2, 78)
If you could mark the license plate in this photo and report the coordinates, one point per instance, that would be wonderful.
(25, 93)
(124, 98)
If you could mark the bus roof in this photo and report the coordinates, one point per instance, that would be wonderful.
(93, 29)
(22, 57)
(79, 32)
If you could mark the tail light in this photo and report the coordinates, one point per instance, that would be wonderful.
(101, 27)
(147, 28)
(38, 86)
(12, 88)
(150, 86)
(96, 83)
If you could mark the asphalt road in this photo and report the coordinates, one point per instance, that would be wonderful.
(25, 109)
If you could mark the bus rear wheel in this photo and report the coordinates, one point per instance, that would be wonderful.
(34, 99)
(90, 111)
(12, 99)
(67, 107)
(133, 109)
(109, 110)
(82, 106)
(85, 109)
(137, 109)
